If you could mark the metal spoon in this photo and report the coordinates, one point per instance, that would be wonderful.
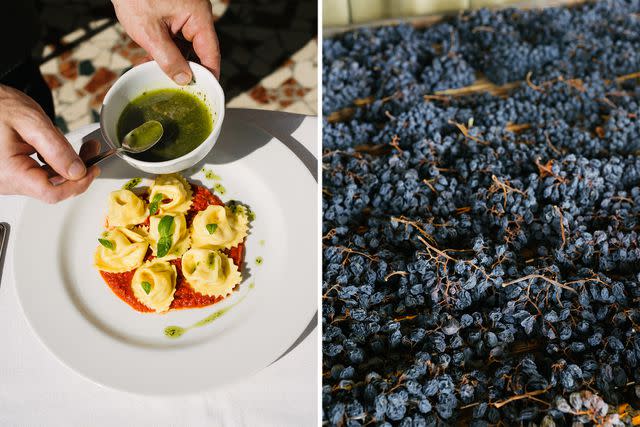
(136, 141)
(4, 241)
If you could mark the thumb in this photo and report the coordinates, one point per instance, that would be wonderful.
(54, 148)
(164, 51)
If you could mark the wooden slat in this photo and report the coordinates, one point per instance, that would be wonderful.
(428, 20)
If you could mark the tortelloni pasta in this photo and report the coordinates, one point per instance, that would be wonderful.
(120, 250)
(148, 256)
(219, 227)
(210, 272)
(176, 237)
(125, 209)
(175, 190)
(154, 284)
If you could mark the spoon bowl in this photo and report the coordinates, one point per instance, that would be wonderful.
(136, 141)
(143, 137)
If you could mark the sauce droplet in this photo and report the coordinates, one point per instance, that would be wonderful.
(210, 174)
(174, 331)
(132, 183)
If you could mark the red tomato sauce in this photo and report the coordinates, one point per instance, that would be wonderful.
(185, 296)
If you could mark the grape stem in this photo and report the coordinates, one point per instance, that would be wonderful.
(395, 273)
(528, 395)
(541, 277)
(562, 232)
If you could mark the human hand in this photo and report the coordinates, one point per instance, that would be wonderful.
(153, 23)
(24, 130)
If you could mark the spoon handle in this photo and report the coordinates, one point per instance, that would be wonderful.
(100, 157)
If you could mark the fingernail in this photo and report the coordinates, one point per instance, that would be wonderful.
(182, 79)
(77, 169)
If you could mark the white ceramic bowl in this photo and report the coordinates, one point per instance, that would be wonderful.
(149, 76)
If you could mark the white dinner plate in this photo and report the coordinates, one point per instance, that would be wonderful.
(90, 330)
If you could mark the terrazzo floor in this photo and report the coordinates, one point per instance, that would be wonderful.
(80, 77)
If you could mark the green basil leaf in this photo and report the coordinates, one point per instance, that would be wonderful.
(155, 203)
(211, 228)
(107, 244)
(146, 286)
(165, 226)
(164, 244)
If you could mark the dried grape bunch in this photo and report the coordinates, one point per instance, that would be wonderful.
(481, 253)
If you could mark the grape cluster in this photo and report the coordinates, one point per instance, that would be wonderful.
(481, 252)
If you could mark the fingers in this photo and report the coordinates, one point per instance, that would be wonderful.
(206, 46)
(35, 128)
(88, 150)
(205, 43)
(162, 48)
(26, 129)
(137, 60)
(35, 183)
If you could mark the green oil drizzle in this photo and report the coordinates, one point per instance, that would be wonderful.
(259, 260)
(220, 189)
(252, 285)
(174, 331)
(215, 316)
(210, 174)
(177, 331)
(132, 183)
(236, 207)
(261, 242)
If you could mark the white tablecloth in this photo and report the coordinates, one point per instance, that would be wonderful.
(36, 389)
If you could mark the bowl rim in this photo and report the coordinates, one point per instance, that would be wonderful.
(217, 125)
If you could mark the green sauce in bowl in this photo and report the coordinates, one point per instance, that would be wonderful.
(186, 120)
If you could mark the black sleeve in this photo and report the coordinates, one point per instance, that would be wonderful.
(19, 32)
